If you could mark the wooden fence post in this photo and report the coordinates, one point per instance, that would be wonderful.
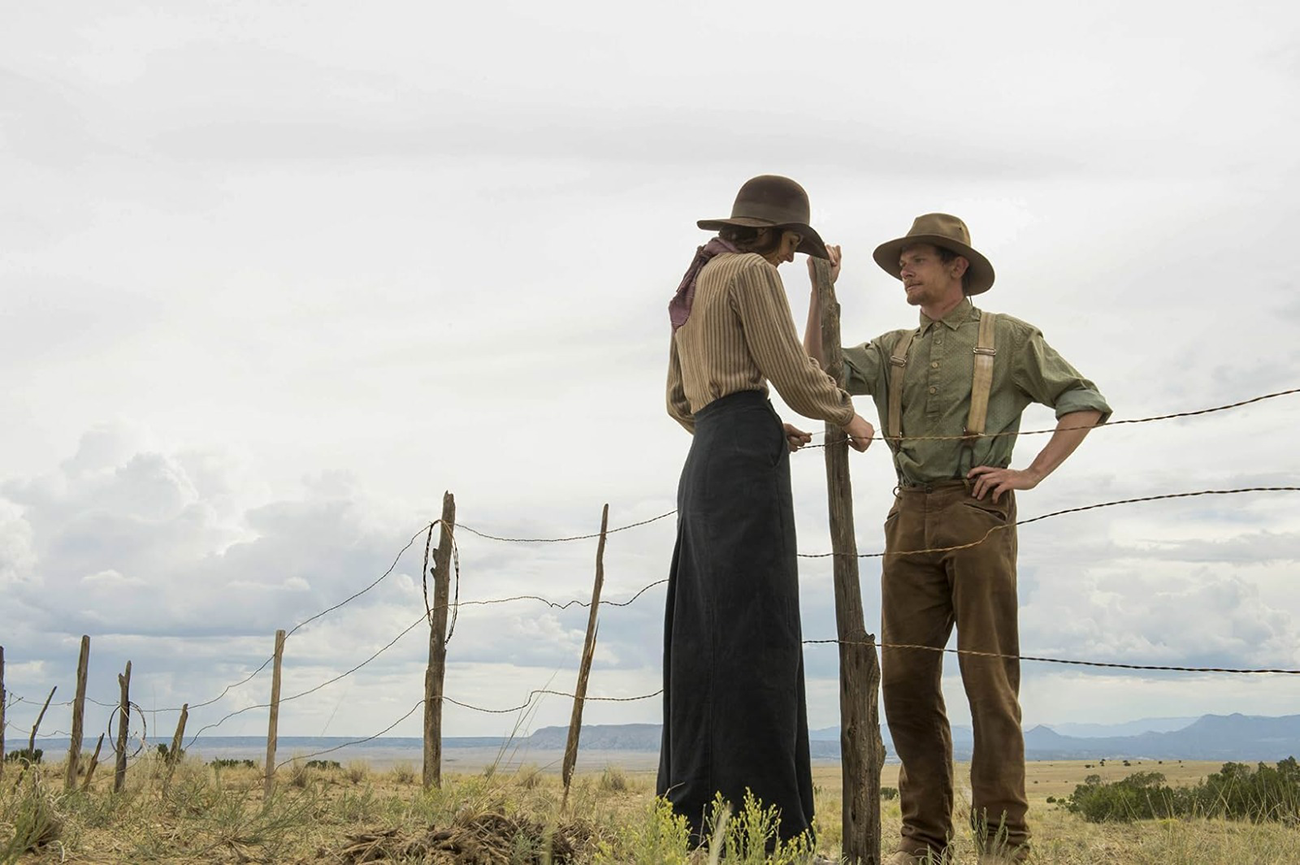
(272, 731)
(94, 763)
(78, 715)
(584, 668)
(434, 673)
(123, 726)
(174, 754)
(861, 749)
(31, 743)
(4, 699)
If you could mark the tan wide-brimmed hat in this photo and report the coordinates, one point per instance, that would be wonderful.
(772, 201)
(943, 230)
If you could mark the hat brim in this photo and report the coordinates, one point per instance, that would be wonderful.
(811, 245)
(981, 270)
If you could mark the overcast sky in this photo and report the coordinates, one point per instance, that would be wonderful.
(275, 276)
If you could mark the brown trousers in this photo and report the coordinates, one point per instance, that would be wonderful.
(924, 596)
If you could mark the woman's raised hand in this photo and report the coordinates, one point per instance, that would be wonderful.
(834, 253)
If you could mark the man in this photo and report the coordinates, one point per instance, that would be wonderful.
(950, 538)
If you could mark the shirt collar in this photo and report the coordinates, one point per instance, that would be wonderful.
(962, 312)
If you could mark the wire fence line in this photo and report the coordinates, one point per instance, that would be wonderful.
(1070, 661)
(455, 603)
(641, 592)
(1110, 423)
(1111, 504)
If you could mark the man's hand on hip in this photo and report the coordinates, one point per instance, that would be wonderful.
(998, 481)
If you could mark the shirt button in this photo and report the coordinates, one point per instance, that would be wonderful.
(934, 364)
(934, 390)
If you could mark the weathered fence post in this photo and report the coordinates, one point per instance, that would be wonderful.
(78, 715)
(31, 743)
(94, 763)
(272, 731)
(123, 725)
(861, 749)
(584, 668)
(174, 754)
(434, 673)
(4, 699)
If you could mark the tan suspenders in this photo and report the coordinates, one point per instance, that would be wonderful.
(981, 384)
(897, 366)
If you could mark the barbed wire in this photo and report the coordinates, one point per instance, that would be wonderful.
(17, 699)
(357, 742)
(1026, 522)
(563, 540)
(312, 690)
(456, 603)
(300, 625)
(424, 576)
(1045, 660)
(564, 605)
(540, 691)
(144, 728)
(1109, 423)
(531, 696)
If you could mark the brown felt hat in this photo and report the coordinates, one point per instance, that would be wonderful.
(939, 229)
(772, 201)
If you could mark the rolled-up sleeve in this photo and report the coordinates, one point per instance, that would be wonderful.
(861, 368)
(759, 300)
(1049, 379)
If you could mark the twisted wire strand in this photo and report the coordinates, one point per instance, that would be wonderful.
(357, 742)
(1072, 662)
(539, 691)
(300, 625)
(311, 690)
(531, 695)
(1091, 507)
(1110, 423)
(563, 540)
(424, 577)
(144, 728)
(563, 605)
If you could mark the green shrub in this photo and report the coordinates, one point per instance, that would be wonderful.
(1235, 792)
(25, 755)
(223, 763)
(612, 780)
(403, 773)
(662, 838)
(322, 764)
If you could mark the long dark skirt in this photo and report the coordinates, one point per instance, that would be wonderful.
(735, 717)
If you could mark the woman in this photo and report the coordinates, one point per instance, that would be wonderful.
(734, 712)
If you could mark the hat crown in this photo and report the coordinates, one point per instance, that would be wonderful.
(771, 197)
(942, 230)
(940, 225)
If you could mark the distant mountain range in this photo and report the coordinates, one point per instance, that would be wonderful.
(1211, 737)
(1227, 738)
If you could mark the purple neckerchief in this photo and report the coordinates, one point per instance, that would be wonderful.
(679, 308)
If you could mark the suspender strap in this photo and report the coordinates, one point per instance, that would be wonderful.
(981, 384)
(897, 367)
(982, 380)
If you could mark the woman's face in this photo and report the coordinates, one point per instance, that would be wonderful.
(786, 247)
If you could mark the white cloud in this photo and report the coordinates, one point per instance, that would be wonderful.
(275, 283)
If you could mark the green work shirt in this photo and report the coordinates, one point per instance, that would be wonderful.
(937, 390)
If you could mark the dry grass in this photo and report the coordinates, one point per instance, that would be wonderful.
(355, 814)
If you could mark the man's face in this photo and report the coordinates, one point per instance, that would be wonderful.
(927, 280)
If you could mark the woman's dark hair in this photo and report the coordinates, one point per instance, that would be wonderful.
(748, 239)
